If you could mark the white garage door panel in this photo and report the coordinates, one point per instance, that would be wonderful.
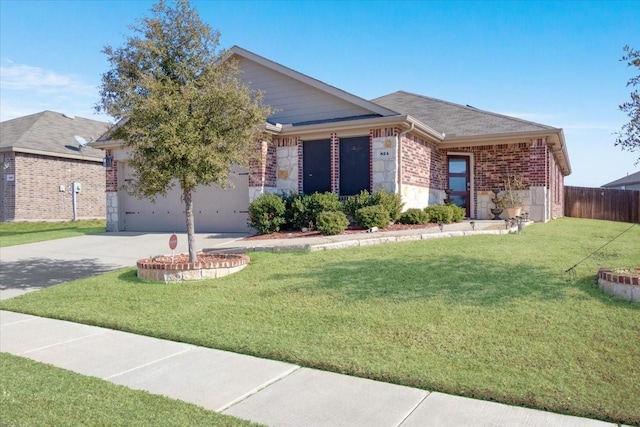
(215, 209)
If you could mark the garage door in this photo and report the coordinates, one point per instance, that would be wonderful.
(215, 209)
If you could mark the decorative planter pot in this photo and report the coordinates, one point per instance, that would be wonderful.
(496, 213)
(513, 212)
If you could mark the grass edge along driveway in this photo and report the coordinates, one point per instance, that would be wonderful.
(19, 233)
(492, 317)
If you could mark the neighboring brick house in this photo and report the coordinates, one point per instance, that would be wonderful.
(40, 159)
(325, 139)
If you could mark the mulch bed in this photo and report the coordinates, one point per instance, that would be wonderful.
(184, 258)
(292, 234)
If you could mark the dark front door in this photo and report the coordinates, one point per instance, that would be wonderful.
(316, 166)
(459, 183)
(355, 167)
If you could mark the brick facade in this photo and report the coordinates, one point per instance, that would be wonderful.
(111, 175)
(423, 165)
(263, 168)
(420, 174)
(42, 190)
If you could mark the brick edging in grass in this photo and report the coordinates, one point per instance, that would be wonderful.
(625, 285)
(162, 271)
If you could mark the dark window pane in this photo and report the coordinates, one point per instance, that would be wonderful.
(458, 183)
(459, 200)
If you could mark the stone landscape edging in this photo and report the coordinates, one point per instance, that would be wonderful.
(362, 242)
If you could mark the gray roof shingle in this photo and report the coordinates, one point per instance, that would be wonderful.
(632, 179)
(454, 119)
(51, 133)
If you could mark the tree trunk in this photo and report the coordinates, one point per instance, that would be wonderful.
(191, 235)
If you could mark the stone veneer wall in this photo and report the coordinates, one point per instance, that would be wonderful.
(111, 193)
(384, 167)
(36, 195)
(288, 164)
(7, 188)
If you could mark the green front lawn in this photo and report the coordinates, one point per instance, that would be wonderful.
(19, 233)
(494, 317)
(35, 394)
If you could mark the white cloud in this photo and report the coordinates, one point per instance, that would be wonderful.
(26, 77)
(28, 89)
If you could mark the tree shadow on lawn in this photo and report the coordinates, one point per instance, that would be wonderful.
(39, 273)
(460, 280)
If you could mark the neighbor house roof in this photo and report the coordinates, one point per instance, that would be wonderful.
(51, 134)
(633, 179)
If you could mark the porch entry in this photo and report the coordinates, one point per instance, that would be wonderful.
(459, 182)
(355, 167)
(316, 166)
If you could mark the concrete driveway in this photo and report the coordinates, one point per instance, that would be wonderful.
(34, 266)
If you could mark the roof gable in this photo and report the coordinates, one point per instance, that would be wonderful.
(51, 133)
(454, 119)
(300, 99)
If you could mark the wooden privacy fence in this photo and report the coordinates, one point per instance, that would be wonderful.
(602, 203)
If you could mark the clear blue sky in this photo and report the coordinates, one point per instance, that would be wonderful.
(552, 62)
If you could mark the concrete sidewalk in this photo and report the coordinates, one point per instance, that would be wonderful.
(265, 391)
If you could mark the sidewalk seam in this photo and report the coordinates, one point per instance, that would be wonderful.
(415, 408)
(18, 322)
(144, 365)
(64, 342)
(258, 389)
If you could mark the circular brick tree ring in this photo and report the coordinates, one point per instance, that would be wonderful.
(177, 268)
(623, 283)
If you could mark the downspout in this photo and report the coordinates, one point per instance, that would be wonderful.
(399, 148)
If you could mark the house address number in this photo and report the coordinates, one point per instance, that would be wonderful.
(385, 154)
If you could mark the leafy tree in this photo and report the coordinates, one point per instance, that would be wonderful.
(181, 107)
(629, 136)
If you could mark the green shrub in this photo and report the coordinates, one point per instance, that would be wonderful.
(306, 208)
(331, 222)
(353, 203)
(392, 202)
(439, 213)
(457, 213)
(288, 198)
(373, 216)
(266, 213)
(414, 216)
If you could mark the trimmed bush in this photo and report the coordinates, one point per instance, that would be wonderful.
(306, 208)
(373, 216)
(392, 202)
(288, 198)
(353, 203)
(439, 213)
(414, 216)
(266, 213)
(331, 222)
(457, 213)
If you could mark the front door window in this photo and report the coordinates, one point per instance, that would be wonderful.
(459, 183)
